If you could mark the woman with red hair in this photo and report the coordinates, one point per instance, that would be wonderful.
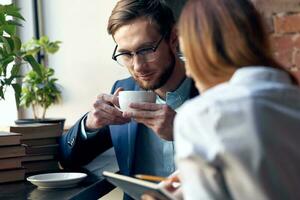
(240, 138)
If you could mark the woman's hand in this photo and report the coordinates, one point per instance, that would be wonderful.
(172, 185)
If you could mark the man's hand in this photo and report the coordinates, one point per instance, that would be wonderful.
(158, 117)
(105, 112)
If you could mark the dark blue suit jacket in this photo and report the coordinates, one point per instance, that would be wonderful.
(77, 151)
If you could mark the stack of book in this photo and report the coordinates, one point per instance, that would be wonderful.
(11, 154)
(41, 144)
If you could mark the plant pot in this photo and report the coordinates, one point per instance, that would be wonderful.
(61, 121)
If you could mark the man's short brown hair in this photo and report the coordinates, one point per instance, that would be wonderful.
(155, 10)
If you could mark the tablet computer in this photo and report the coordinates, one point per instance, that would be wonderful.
(135, 188)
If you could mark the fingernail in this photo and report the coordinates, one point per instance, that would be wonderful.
(144, 197)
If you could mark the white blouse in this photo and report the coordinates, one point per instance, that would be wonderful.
(246, 131)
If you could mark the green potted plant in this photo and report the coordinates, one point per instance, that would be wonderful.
(11, 55)
(40, 90)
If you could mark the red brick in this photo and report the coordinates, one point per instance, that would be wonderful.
(297, 58)
(269, 7)
(296, 40)
(296, 63)
(281, 42)
(286, 48)
(284, 57)
(287, 41)
(287, 23)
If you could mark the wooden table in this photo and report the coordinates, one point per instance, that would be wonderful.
(93, 187)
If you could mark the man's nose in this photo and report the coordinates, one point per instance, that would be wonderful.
(138, 62)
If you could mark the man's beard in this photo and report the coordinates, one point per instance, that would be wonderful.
(164, 77)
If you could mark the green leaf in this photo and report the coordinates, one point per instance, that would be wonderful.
(1, 93)
(53, 47)
(1, 53)
(17, 43)
(2, 18)
(5, 62)
(7, 81)
(44, 40)
(32, 47)
(15, 70)
(12, 10)
(10, 29)
(17, 89)
(32, 52)
(34, 64)
(8, 43)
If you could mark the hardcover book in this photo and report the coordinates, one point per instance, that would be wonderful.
(37, 157)
(8, 138)
(37, 130)
(12, 151)
(51, 149)
(10, 163)
(39, 142)
(41, 166)
(12, 175)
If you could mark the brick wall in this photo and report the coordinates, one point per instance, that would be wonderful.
(283, 24)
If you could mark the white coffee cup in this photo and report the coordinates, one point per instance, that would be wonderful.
(127, 97)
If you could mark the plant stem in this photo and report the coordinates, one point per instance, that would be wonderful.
(34, 111)
(44, 112)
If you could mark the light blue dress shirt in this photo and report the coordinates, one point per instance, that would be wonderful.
(153, 155)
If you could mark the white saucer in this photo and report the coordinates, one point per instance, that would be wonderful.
(56, 180)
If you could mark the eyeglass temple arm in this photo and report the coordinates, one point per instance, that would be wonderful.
(113, 55)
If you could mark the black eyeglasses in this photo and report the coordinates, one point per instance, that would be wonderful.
(148, 54)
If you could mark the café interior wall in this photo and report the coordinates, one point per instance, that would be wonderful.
(83, 65)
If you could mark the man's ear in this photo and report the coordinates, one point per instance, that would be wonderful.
(173, 41)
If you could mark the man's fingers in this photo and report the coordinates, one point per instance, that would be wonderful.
(118, 90)
(146, 122)
(111, 110)
(105, 98)
(146, 106)
(99, 106)
(110, 99)
(111, 119)
(115, 100)
(140, 114)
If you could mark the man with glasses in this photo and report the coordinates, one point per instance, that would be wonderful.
(147, 46)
